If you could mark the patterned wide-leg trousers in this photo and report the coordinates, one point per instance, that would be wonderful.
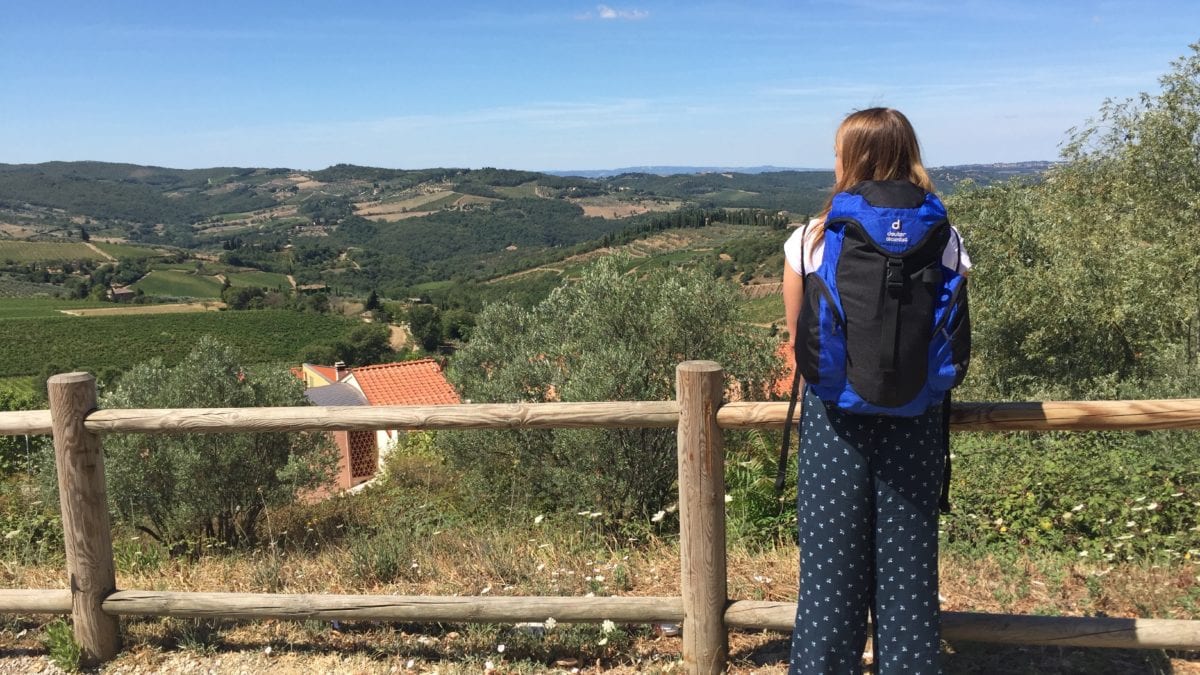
(868, 514)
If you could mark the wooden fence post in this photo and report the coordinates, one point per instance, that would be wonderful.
(699, 387)
(86, 529)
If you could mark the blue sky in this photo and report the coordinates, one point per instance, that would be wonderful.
(562, 85)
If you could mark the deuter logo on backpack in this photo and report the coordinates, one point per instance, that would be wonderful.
(885, 326)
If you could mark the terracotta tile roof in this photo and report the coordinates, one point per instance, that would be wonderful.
(405, 383)
(783, 386)
(327, 372)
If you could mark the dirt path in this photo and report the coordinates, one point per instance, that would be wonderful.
(97, 250)
(292, 280)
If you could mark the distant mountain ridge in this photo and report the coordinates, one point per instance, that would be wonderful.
(671, 170)
(1015, 168)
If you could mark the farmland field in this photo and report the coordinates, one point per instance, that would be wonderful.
(92, 343)
(258, 279)
(34, 308)
(46, 251)
(764, 310)
(177, 283)
(127, 251)
(135, 310)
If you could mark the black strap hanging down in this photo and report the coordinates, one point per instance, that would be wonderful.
(944, 502)
(781, 470)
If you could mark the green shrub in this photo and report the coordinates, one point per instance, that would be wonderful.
(65, 652)
(1112, 495)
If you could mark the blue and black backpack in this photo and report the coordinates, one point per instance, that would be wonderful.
(884, 328)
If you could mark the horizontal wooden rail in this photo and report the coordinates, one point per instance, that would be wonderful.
(406, 608)
(22, 422)
(1141, 415)
(1063, 631)
(1046, 416)
(640, 414)
(34, 601)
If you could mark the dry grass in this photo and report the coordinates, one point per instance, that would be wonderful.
(173, 308)
(551, 558)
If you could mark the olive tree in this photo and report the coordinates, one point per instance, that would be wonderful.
(1091, 277)
(610, 335)
(183, 487)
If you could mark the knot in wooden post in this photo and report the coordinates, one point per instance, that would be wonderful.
(84, 503)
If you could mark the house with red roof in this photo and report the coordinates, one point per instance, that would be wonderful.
(361, 453)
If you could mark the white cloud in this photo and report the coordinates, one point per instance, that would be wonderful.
(607, 13)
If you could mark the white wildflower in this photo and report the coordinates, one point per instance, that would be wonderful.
(1077, 507)
(1083, 554)
(500, 648)
(728, 498)
(550, 623)
(672, 508)
(538, 520)
(267, 650)
(658, 516)
(603, 641)
(607, 627)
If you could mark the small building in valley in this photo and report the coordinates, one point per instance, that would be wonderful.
(361, 453)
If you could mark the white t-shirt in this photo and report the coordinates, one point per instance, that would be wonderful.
(800, 243)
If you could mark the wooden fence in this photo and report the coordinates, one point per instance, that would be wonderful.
(703, 607)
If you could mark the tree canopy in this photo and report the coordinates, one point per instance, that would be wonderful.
(609, 335)
(191, 486)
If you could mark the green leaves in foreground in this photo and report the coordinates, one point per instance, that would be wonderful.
(609, 336)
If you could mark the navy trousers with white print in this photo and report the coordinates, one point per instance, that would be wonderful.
(868, 514)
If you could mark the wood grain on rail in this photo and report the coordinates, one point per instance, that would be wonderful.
(1018, 416)
(1065, 631)
(21, 422)
(608, 414)
(408, 608)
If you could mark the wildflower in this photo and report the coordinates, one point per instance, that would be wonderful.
(673, 507)
(538, 520)
(728, 498)
(541, 566)
(408, 665)
(607, 627)
(1083, 554)
(1077, 507)
(489, 666)
(550, 623)
(500, 649)
(486, 589)
(267, 651)
(603, 641)
(658, 516)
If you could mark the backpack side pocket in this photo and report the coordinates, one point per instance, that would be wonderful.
(820, 335)
(950, 347)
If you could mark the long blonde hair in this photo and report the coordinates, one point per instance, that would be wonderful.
(875, 144)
